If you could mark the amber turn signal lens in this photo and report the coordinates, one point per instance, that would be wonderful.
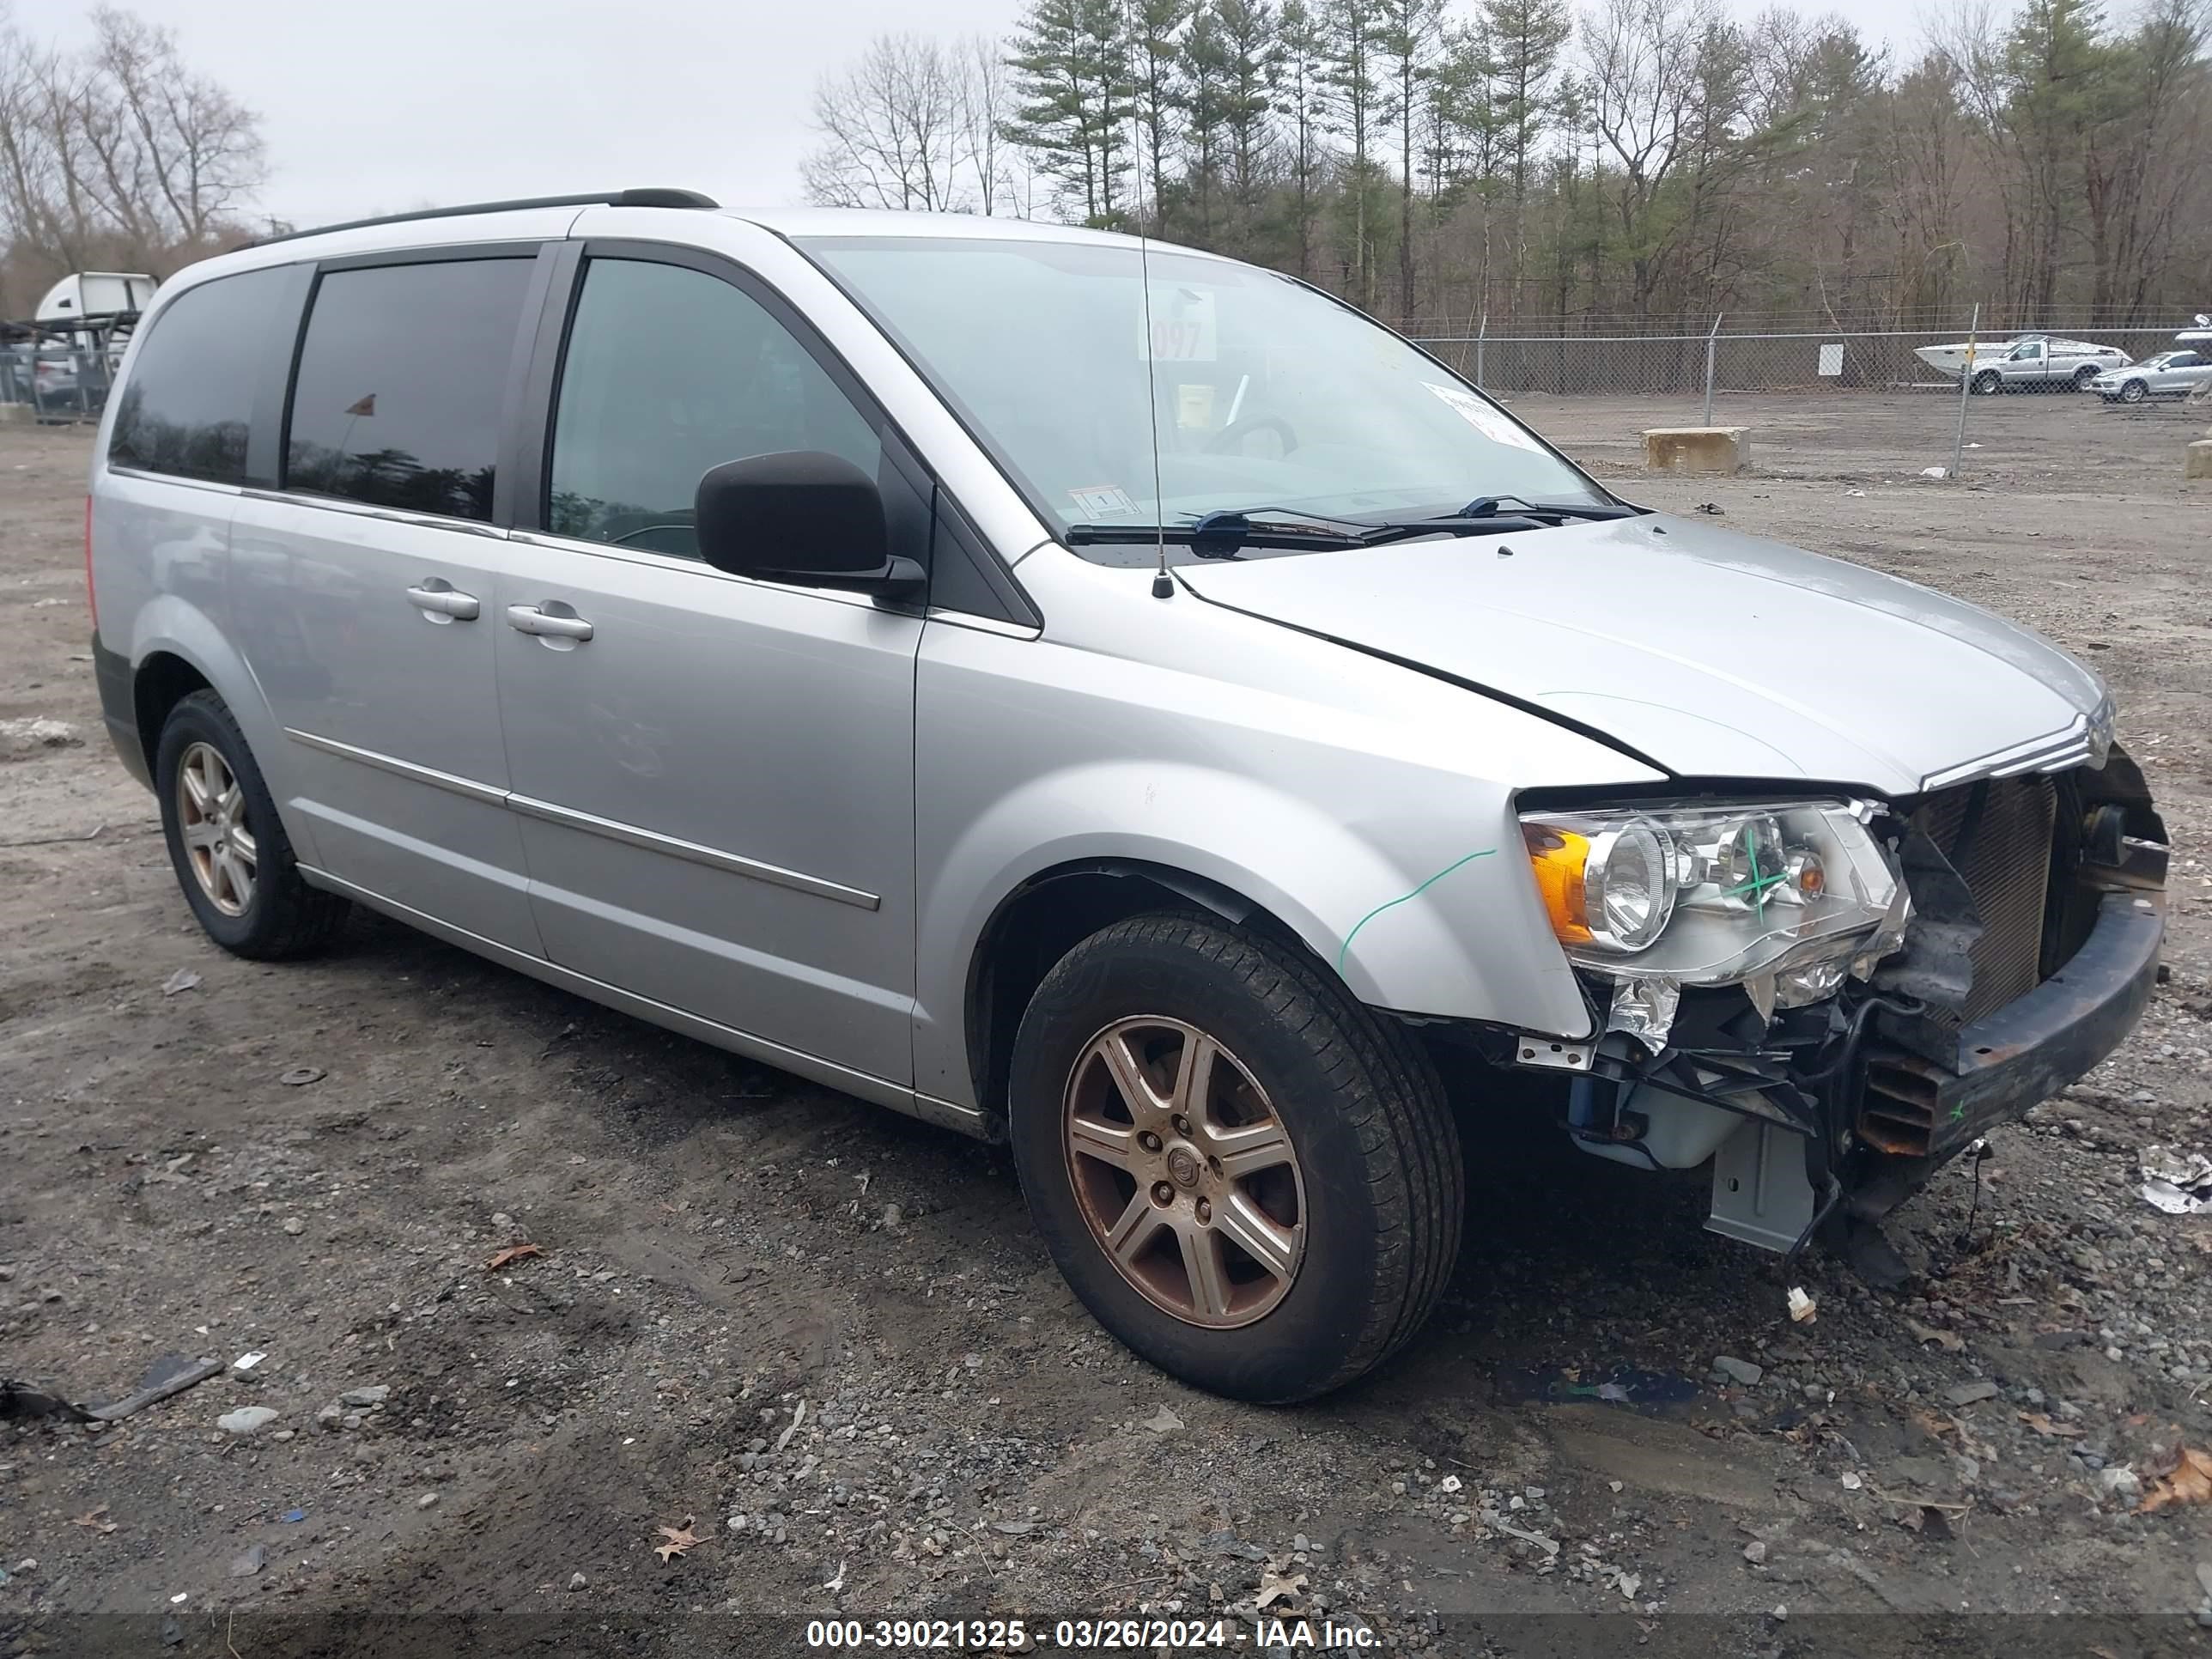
(1557, 857)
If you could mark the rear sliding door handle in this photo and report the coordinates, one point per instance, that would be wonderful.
(443, 603)
(529, 619)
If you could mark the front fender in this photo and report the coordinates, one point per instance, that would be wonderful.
(1433, 913)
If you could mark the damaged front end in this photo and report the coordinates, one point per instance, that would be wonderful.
(1829, 1000)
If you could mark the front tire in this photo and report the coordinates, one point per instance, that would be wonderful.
(2134, 392)
(228, 845)
(1247, 1178)
(1988, 383)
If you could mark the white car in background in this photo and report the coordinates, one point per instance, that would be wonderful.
(2173, 374)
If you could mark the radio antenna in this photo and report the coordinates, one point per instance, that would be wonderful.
(1162, 584)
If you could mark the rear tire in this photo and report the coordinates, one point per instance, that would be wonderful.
(227, 843)
(2084, 375)
(1358, 1204)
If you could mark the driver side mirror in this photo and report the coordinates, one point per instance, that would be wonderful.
(800, 516)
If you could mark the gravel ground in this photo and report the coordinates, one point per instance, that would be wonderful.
(825, 1338)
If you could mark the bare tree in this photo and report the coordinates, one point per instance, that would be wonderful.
(196, 153)
(116, 155)
(895, 130)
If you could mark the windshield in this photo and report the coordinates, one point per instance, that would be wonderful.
(1262, 394)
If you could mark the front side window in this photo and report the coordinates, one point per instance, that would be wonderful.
(188, 404)
(671, 372)
(1117, 389)
(396, 402)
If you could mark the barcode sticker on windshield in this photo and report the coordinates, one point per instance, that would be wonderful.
(1103, 502)
(1482, 417)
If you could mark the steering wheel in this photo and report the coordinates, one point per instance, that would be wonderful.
(1236, 431)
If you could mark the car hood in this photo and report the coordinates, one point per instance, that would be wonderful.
(1713, 654)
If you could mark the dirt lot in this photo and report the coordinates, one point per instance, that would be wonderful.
(829, 1336)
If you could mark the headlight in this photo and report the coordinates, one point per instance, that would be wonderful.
(1704, 895)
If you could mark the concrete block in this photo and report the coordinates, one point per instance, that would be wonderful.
(2199, 463)
(1697, 448)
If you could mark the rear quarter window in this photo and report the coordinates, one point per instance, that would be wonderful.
(187, 405)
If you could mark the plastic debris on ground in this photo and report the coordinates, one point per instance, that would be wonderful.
(2177, 1183)
(1617, 1385)
(1803, 1310)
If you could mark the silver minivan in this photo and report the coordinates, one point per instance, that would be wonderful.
(1105, 697)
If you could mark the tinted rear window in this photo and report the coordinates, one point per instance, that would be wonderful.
(397, 396)
(188, 403)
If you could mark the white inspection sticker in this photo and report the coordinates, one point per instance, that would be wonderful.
(1103, 502)
(1482, 417)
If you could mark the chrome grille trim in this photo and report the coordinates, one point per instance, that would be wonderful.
(2086, 742)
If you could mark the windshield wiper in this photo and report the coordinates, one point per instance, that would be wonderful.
(1486, 506)
(1218, 535)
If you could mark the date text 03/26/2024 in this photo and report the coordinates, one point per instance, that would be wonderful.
(1084, 1634)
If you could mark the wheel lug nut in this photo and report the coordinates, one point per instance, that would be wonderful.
(1205, 1211)
(1149, 1141)
(1181, 1124)
(1162, 1193)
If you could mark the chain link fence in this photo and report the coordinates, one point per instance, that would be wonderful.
(1825, 401)
(59, 380)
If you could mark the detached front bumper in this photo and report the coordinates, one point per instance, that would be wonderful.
(2022, 1054)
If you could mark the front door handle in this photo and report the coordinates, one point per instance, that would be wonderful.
(531, 620)
(443, 603)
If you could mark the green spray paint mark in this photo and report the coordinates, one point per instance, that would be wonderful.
(1345, 950)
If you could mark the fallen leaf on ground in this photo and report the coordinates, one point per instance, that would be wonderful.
(2041, 1423)
(96, 1519)
(2190, 1481)
(1949, 1341)
(511, 1255)
(1275, 1587)
(678, 1540)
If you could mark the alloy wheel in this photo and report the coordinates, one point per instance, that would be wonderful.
(1184, 1172)
(219, 844)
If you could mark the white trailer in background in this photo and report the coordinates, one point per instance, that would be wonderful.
(84, 293)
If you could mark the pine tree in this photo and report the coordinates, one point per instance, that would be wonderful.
(1305, 83)
(1156, 50)
(1524, 39)
(1358, 102)
(1254, 50)
(1407, 35)
(1206, 80)
(1071, 64)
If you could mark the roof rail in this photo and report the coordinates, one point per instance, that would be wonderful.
(651, 196)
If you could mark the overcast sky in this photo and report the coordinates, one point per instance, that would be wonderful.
(377, 105)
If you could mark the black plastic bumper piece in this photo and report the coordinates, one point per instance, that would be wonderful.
(111, 671)
(2027, 1051)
